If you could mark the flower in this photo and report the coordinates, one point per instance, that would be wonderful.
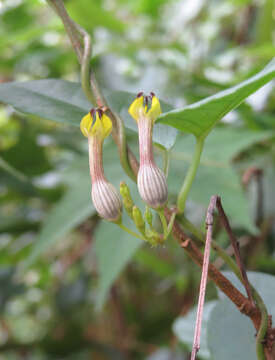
(96, 126)
(151, 180)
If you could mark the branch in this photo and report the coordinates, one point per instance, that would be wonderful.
(241, 302)
(235, 246)
(265, 338)
(209, 227)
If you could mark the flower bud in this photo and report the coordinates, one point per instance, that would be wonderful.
(148, 216)
(138, 220)
(106, 200)
(151, 180)
(127, 199)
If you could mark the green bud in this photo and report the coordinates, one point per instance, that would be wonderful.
(126, 198)
(148, 216)
(138, 219)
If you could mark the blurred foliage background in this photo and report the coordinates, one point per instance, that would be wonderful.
(72, 286)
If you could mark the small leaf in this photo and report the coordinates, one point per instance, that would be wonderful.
(199, 118)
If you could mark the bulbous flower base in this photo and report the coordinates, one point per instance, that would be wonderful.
(106, 200)
(152, 185)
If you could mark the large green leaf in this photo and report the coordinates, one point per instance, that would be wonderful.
(63, 101)
(184, 327)
(199, 118)
(221, 146)
(15, 179)
(73, 208)
(216, 174)
(226, 322)
(114, 248)
(55, 100)
(230, 334)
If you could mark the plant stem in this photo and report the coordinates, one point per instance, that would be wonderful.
(163, 221)
(171, 223)
(69, 25)
(185, 189)
(263, 326)
(129, 231)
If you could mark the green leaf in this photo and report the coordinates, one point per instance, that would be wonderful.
(224, 144)
(150, 260)
(230, 334)
(55, 100)
(264, 284)
(199, 118)
(226, 183)
(63, 101)
(184, 327)
(221, 146)
(114, 248)
(226, 322)
(73, 208)
(16, 179)
(215, 176)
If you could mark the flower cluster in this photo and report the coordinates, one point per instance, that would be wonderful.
(151, 181)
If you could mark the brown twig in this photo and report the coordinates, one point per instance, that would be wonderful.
(241, 302)
(235, 246)
(243, 241)
(205, 266)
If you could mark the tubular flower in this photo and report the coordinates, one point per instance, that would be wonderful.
(96, 126)
(151, 180)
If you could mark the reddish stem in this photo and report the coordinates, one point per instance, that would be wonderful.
(145, 128)
(95, 159)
